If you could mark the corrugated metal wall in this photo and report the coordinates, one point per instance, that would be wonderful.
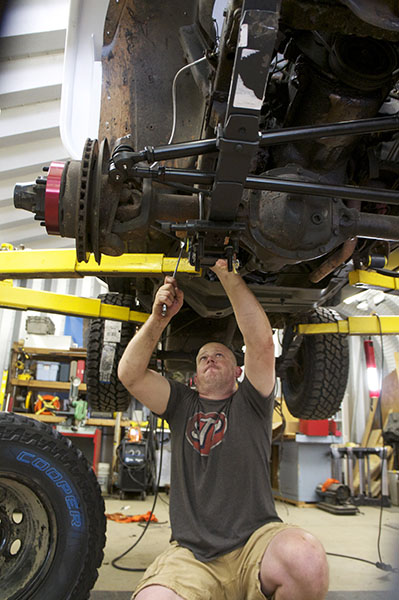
(32, 40)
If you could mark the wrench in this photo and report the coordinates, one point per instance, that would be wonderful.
(182, 245)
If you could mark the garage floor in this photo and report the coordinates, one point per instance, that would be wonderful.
(352, 535)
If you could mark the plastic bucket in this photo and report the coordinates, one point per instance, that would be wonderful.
(393, 483)
(103, 476)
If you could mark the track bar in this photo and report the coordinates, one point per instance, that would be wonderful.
(269, 138)
(311, 132)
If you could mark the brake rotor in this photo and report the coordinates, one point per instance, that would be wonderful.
(86, 194)
(101, 170)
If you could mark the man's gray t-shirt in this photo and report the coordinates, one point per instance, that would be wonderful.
(220, 479)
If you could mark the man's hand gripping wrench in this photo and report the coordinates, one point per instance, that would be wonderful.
(182, 246)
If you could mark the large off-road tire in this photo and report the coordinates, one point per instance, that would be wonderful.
(107, 396)
(52, 522)
(315, 382)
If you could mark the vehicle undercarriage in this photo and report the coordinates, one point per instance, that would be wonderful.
(271, 141)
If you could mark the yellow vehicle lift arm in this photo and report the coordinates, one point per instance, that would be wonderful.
(364, 325)
(371, 279)
(33, 264)
(27, 299)
(367, 325)
(30, 264)
(63, 263)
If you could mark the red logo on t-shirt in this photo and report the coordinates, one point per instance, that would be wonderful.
(206, 430)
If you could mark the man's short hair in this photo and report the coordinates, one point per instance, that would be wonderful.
(228, 346)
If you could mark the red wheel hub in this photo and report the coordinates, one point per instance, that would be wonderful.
(52, 198)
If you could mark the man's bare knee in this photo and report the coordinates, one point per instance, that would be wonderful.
(295, 565)
(157, 592)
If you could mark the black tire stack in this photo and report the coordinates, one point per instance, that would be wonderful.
(315, 383)
(112, 396)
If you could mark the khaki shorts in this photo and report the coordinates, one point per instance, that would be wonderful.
(233, 576)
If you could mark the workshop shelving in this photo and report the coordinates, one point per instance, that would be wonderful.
(29, 357)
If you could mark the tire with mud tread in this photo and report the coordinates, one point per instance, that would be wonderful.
(52, 521)
(314, 384)
(111, 396)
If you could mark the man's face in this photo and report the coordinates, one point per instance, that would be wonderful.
(216, 366)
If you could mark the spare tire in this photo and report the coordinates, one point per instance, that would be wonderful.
(314, 381)
(52, 521)
(110, 395)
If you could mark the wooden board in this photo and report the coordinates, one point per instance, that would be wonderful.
(369, 425)
(389, 395)
(72, 353)
(60, 419)
(45, 385)
(299, 503)
(375, 438)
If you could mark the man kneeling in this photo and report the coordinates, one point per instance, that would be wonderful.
(228, 542)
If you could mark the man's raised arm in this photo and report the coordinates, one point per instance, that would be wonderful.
(254, 326)
(149, 387)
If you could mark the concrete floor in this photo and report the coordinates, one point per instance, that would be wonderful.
(352, 535)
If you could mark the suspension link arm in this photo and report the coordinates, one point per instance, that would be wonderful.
(125, 155)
